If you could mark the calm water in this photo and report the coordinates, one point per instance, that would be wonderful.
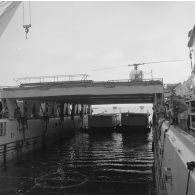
(86, 164)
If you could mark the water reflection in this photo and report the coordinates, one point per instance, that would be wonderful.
(112, 163)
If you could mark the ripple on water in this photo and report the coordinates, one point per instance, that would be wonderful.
(100, 164)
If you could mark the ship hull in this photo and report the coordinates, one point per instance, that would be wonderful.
(133, 129)
(173, 149)
(134, 122)
(19, 140)
(103, 122)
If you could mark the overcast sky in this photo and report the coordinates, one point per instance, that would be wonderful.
(77, 37)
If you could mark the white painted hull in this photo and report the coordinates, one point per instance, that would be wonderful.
(32, 137)
(173, 150)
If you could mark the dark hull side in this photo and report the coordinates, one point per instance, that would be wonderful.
(99, 129)
(133, 129)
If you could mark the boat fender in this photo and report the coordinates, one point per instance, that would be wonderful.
(190, 167)
(163, 146)
(159, 128)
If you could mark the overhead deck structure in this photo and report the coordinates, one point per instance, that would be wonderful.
(89, 92)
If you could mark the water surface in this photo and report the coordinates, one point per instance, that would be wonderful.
(86, 164)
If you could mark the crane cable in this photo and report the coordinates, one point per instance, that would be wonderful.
(26, 26)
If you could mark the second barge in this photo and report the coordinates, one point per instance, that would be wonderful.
(134, 122)
(104, 122)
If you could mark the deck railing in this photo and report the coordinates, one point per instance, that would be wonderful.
(15, 146)
(44, 85)
(87, 83)
(56, 78)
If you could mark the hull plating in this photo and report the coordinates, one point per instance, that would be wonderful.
(18, 140)
(173, 149)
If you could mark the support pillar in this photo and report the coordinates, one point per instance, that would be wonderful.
(11, 105)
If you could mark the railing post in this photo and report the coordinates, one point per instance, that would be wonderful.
(4, 154)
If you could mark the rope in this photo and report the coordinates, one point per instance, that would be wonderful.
(45, 124)
(23, 127)
(29, 12)
(163, 147)
(23, 13)
(29, 7)
(159, 127)
(45, 119)
(157, 137)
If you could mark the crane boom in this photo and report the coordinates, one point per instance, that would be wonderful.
(7, 10)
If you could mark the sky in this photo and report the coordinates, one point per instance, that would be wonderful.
(78, 37)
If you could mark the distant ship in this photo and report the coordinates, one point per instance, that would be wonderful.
(134, 122)
(103, 122)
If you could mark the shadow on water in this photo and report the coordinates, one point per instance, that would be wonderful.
(88, 163)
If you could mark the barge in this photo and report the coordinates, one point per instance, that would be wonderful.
(103, 122)
(134, 122)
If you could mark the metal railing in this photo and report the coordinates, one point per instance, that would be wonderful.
(87, 83)
(136, 80)
(56, 78)
(14, 146)
(28, 143)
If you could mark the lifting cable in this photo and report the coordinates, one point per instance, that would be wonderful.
(26, 26)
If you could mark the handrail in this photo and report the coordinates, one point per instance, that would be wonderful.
(16, 145)
(19, 140)
(85, 83)
(132, 80)
(19, 144)
(56, 78)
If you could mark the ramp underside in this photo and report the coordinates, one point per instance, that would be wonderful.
(89, 92)
(101, 99)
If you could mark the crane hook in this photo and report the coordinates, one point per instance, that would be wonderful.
(26, 26)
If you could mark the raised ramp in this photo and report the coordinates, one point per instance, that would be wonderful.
(89, 92)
